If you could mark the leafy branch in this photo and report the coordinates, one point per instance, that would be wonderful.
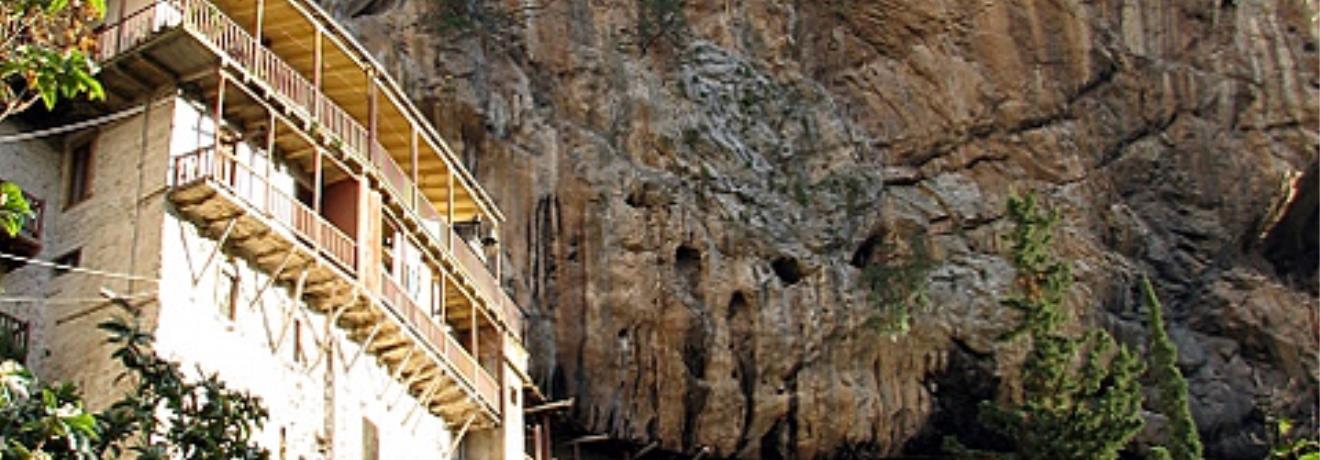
(46, 50)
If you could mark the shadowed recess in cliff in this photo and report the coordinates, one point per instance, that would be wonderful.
(788, 269)
(1293, 243)
(687, 265)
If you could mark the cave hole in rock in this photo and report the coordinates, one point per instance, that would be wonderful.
(865, 251)
(687, 262)
(362, 8)
(1292, 243)
(788, 269)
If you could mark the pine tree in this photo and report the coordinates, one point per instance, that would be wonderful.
(1080, 398)
(1182, 440)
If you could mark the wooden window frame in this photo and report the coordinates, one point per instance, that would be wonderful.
(92, 141)
(230, 298)
(75, 253)
(297, 341)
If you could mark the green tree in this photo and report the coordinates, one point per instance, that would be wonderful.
(46, 51)
(1182, 442)
(1080, 396)
(39, 422)
(15, 209)
(165, 416)
(1289, 443)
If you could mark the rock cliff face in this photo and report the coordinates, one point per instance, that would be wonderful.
(704, 193)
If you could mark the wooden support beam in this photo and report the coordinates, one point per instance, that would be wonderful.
(426, 399)
(288, 315)
(407, 359)
(453, 449)
(219, 245)
(645, 450)
(271, 279)
(550, 406)
(365, 344)
(588, 439)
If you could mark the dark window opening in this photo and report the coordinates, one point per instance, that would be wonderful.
(297, 341)
(69, 259)
(389, 237)
(79, 185)
(229, 290)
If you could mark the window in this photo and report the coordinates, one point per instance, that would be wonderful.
(69, 259)
(370, 441)
(79, 185)
(389, 236)
(284, 443)
(228, 288)
(297, 341)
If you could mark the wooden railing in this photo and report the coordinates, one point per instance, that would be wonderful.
(16, 333)
(458, 358)
(258, 193)
(207, 22)
(33, 224)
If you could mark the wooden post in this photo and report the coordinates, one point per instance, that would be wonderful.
(495, 232)
(412, 144)
(317, 184)
(119, 28)
(270, 157)
(373, 112)
(219, 110)
(261, 16)
(317, 59)
(449, 209)
(475, 333)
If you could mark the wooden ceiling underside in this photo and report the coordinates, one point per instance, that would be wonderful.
(292, 35)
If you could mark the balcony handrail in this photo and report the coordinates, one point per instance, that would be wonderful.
(448, 347)
(222, 167)
(33, 224)
(208, 22)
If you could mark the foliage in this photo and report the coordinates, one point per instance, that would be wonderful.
(164, 416)
(1182, 441)
(41, 422)
(167, 416)
(14, 208)
(1288, 444)
(899, 285)
(659, 20)
(1043, 281)
(46, 50)
(1080, 396)
(453, 17)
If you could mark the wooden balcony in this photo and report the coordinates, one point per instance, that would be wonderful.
(445, 344)
(14, 336)
(27, 243)
(138, 49)
(235, 204)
